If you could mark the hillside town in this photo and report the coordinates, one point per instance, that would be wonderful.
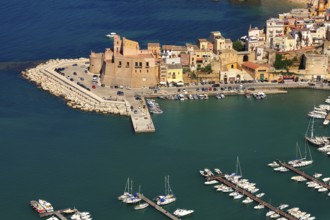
(293, 46)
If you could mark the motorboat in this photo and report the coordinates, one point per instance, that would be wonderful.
(190, 97)
(269, 213)
(141, 206)
(317, 175)
(260, 206)
(52, 218)
(299, 178)
(111, 35)
(273, 164)
(247, 200)
(46, 205)
(217, 96)
(322, 189)
(211, 182)
(36, 206)
(218, 171)
(326, 122)
(283, 206)
(182, 212)
(326, 179)
(238, 196)
(260, 195)
(181, 97)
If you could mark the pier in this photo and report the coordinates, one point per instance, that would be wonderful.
(253, 197)
(158, 208)
(311, 178)
(57, 213)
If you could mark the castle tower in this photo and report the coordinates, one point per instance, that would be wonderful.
(95, 62)
(117, 44)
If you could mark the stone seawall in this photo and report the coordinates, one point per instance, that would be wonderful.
(77, 97)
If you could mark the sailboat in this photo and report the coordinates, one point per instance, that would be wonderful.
(126, 193)
(132, 198)
(169, 196)
(302, 161)
(141, 205)
(315, 140)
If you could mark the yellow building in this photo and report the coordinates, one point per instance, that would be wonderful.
(174, 73)
(259, 71)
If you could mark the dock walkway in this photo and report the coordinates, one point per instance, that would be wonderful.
(58, 214)
(311, 178)
(253, 197)
(158, 208)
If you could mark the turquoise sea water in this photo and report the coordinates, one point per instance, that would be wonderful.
(72, 158)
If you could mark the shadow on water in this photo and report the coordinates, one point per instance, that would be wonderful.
(18, 66)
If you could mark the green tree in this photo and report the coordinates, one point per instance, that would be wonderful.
(238, 46)
(281, 63)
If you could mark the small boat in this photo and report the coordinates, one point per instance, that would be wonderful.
(247, 200)
(182, 212)
(322, 189)
(269, 213)
(326, 122)
(46, 205)
(260, 206)
(273, 164)
(326, 179)
(210, 182)
(299, 178)
(52, 218)
(111, 35)
(217, 96)
(218, 171)
(190, 97)
(283, 206)
(260, 195)
(161, 97)
(126, 193)
(317, 175)
(36, 206)
(141, 206)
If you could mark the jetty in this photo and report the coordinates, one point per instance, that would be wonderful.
(157, 207)
(311, 178)
(252, 196)
(57, 213)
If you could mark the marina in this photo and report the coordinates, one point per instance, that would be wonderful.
(306, 176)
(276, 210)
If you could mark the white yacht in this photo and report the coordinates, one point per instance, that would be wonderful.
(317, 175)
(260, 195)
(52, 218)
(238, 196)
(46, 205)
(141, 206)
(247, 200)
(299, 178)
(283, 206)
(260, 206)
(111, 35)
(182, 212)
(211, 182)
(273, 164)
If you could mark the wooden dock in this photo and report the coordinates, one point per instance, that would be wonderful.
(311, 178)
(158, 208)
(57, 213)
(252, 196)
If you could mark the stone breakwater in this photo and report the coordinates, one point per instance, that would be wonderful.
(45, 77)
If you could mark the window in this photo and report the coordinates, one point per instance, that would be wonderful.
(119, 64)
(147, 64)
(140, 64)
(127, 64)
(136, 64)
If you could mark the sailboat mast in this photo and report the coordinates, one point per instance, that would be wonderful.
(165, 183)
(312, 129)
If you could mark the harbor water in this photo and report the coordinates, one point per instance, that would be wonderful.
(82, 160)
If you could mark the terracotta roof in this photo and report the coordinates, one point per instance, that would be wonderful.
(174, 48)
(250, 65)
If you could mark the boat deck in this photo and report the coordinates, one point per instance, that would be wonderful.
(158, 208)
(253, 197)
(311, 178)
